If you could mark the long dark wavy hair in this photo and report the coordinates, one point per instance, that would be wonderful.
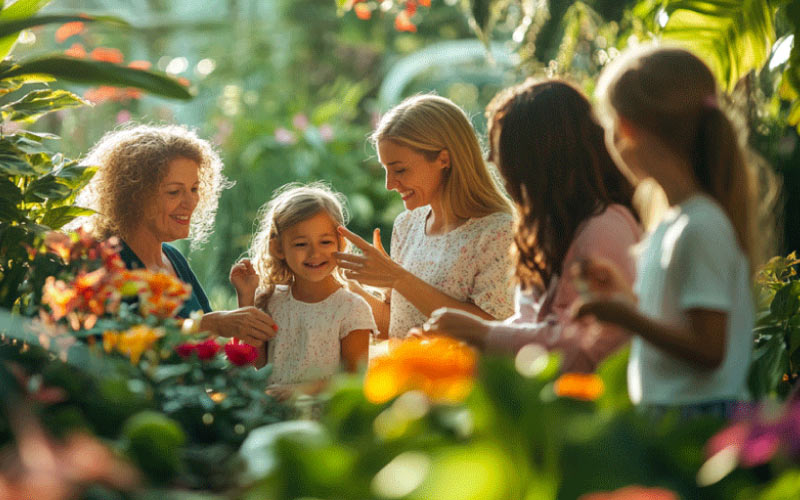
(551, 151)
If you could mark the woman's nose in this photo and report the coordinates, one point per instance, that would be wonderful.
(390, 182)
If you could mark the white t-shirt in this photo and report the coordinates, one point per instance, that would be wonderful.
(470, 263)
(307, 346)
(692, 261)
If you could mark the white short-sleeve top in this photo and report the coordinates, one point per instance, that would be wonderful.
(307, 345)
(692, 260)
(471, 263)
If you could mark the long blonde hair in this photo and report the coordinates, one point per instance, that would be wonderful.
(291, 204)
(672, 94)
(429, 124)
(132, 162)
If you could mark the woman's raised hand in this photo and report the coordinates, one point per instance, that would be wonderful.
(374, 267)
(596, 276)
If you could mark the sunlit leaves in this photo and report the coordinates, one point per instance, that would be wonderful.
(38, 103)
(733, 36)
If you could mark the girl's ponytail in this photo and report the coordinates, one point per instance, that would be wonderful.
(722, 172)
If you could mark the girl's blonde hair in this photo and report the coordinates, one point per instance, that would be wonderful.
(290, 205)
(132, 162)
(429, 124)
(672, 94)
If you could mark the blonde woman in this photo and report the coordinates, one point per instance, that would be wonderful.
(451, 246)
(154, 185)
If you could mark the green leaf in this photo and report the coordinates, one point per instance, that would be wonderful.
(97, 72)
(13, 164)
(9, 28)
(75, 176)
(38, 103)
(733, 36)
(46, 187)
(787, 301)
(58, 217)
(20, 9)
(769, 364)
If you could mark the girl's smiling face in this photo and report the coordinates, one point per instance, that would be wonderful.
(418, 180)
(308, 247)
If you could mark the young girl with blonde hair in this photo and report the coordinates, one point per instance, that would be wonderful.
(292, 275)
(692, 308)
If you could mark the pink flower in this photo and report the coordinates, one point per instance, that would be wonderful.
(240, 354)
(300, 121)
(207, 349)
(284, 136)
(123, 116)
(326, 132)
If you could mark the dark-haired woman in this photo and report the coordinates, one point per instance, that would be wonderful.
(573, 205)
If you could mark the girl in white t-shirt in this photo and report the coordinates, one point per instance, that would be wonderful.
(292, 275)
(691, 307)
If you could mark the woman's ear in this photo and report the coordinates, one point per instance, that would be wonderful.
(275, 248)
(444, 158)
(626, 128)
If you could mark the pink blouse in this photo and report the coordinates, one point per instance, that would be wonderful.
(546, 319)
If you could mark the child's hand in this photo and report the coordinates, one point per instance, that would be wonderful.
(457, 324)
(597, 278)
(244, 279)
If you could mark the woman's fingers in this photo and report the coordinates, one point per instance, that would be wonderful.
(355, 239)
(350, 259)
(376, 241)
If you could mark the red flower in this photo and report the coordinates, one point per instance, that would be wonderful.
(77, 51)
(403, 23)
(362, 11)
(207, 349)
(240, 354)
(143, 65)
(185, 350)
(107, 55)
(68, 29)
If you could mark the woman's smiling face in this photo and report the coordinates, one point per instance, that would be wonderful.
(176, 199)
(418, 180)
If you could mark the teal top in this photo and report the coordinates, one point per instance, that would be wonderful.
(198, 299)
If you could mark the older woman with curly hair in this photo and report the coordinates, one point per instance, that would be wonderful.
(154, 185)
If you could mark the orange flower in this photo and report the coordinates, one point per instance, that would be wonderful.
(362, 11)
(587, 387)
(133, 342)
(633, 493)
(160, 294)
(77, 51)
(403, 23)
(425, 3)
(184, 81)
(67, 30)
(61, 298)
(440, 367)
(107, 55)
(143, 65)
(100, 94)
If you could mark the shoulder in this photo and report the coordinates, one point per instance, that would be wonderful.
(616, 222)
(350, 300)
(173, 252)
(496, 227)
(702, 219)
(407, 218)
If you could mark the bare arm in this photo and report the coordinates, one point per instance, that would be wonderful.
(701, 342)
(355, 348)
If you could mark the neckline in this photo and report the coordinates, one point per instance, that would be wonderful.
(164, 252)
(295, 299)
(428, 213)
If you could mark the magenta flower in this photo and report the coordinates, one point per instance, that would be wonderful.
(207, 349)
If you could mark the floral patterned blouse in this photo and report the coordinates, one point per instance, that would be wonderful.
(307, 345)
(471, 263)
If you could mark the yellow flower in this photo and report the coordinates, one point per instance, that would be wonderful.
(137, 340)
